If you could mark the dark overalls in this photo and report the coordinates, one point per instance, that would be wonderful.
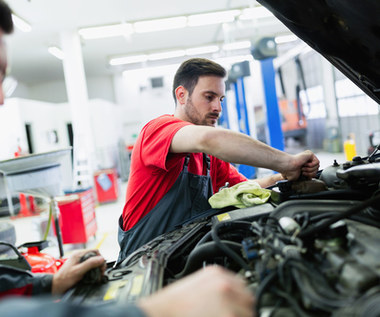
(186, 199)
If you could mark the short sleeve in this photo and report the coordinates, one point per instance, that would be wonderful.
(157, 136)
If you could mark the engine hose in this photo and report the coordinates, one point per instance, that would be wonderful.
(205, 238)
(228, 251)
(263, 286)
(351, 211)
(368, 305)
(205, 252)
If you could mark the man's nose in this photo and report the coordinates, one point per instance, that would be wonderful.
(217, 106)
(1, 94)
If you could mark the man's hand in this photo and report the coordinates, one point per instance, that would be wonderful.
(72, 271)
(211, 292)
(305, 162)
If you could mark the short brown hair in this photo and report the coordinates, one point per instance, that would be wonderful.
(6, 22)
(189, 72)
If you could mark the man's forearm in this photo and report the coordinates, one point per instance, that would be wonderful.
(235, 147)
(269, 180)
(19, 282)
(239, 148)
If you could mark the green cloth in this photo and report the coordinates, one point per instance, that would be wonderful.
(242, 195)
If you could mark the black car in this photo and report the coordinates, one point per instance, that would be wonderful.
(313, 250)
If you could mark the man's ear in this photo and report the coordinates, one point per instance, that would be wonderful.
(180, 94)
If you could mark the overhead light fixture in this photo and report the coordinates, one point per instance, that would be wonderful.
(160, 24)
(21, 24)
(285, 39)
(236, 45)
(227, 61)
(212, 18)
(123, 29)
(255, 13)
(298, 50)
(202, 50)
(153, 71)
(128, 60)
(57, 52)
(177, 22)
(166, 55)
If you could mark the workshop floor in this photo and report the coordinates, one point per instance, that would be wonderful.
(29, 228)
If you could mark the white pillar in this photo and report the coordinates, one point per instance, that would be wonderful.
(75, 78)
(332, 115)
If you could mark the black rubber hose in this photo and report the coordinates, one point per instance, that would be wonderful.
(205, 238)
(229, 252)
(353, 210)
(263, 286)
(205, 252)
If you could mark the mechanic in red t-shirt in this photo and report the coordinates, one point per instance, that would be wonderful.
(211, 292)
(180, 160)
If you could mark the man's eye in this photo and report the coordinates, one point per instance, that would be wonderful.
(209, 98)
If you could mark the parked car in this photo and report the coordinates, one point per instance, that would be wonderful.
(313, 249)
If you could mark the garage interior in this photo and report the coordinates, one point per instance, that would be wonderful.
(85, 81)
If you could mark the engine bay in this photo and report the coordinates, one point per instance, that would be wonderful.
(312, 251)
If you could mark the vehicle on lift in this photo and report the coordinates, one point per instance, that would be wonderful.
(293, 118)
(313, 249)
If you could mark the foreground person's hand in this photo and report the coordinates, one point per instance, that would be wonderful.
(211, 292)
(72, 271)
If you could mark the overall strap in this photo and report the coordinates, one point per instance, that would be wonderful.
(186, 162)
(207, 163)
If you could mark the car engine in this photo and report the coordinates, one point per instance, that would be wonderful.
(312, 251)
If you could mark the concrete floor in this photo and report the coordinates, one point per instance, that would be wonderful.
(28, 229)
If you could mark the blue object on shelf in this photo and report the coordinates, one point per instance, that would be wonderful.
(104, 181)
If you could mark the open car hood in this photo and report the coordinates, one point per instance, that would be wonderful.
(345, 32)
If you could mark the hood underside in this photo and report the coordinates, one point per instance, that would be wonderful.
(345, 32)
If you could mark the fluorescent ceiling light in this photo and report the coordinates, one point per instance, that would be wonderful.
(236, 45)
(212, 18)
(21, 24)
(128, 60)
(202, 50)
(165, 55)
(57, 52)
(285, 38)
(152, 71)
(160, 24)
(98, 32)
(255, 13)
(234, 59)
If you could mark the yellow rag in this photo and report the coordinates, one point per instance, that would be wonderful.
(242, 195)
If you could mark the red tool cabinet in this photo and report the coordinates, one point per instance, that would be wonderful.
(78, 219)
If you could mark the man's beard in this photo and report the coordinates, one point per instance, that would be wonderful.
(195, 117)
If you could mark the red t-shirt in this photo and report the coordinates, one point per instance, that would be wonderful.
(154, 170)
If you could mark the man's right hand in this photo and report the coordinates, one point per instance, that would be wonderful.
(211, 292)
(306, 163)
(72, 271)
